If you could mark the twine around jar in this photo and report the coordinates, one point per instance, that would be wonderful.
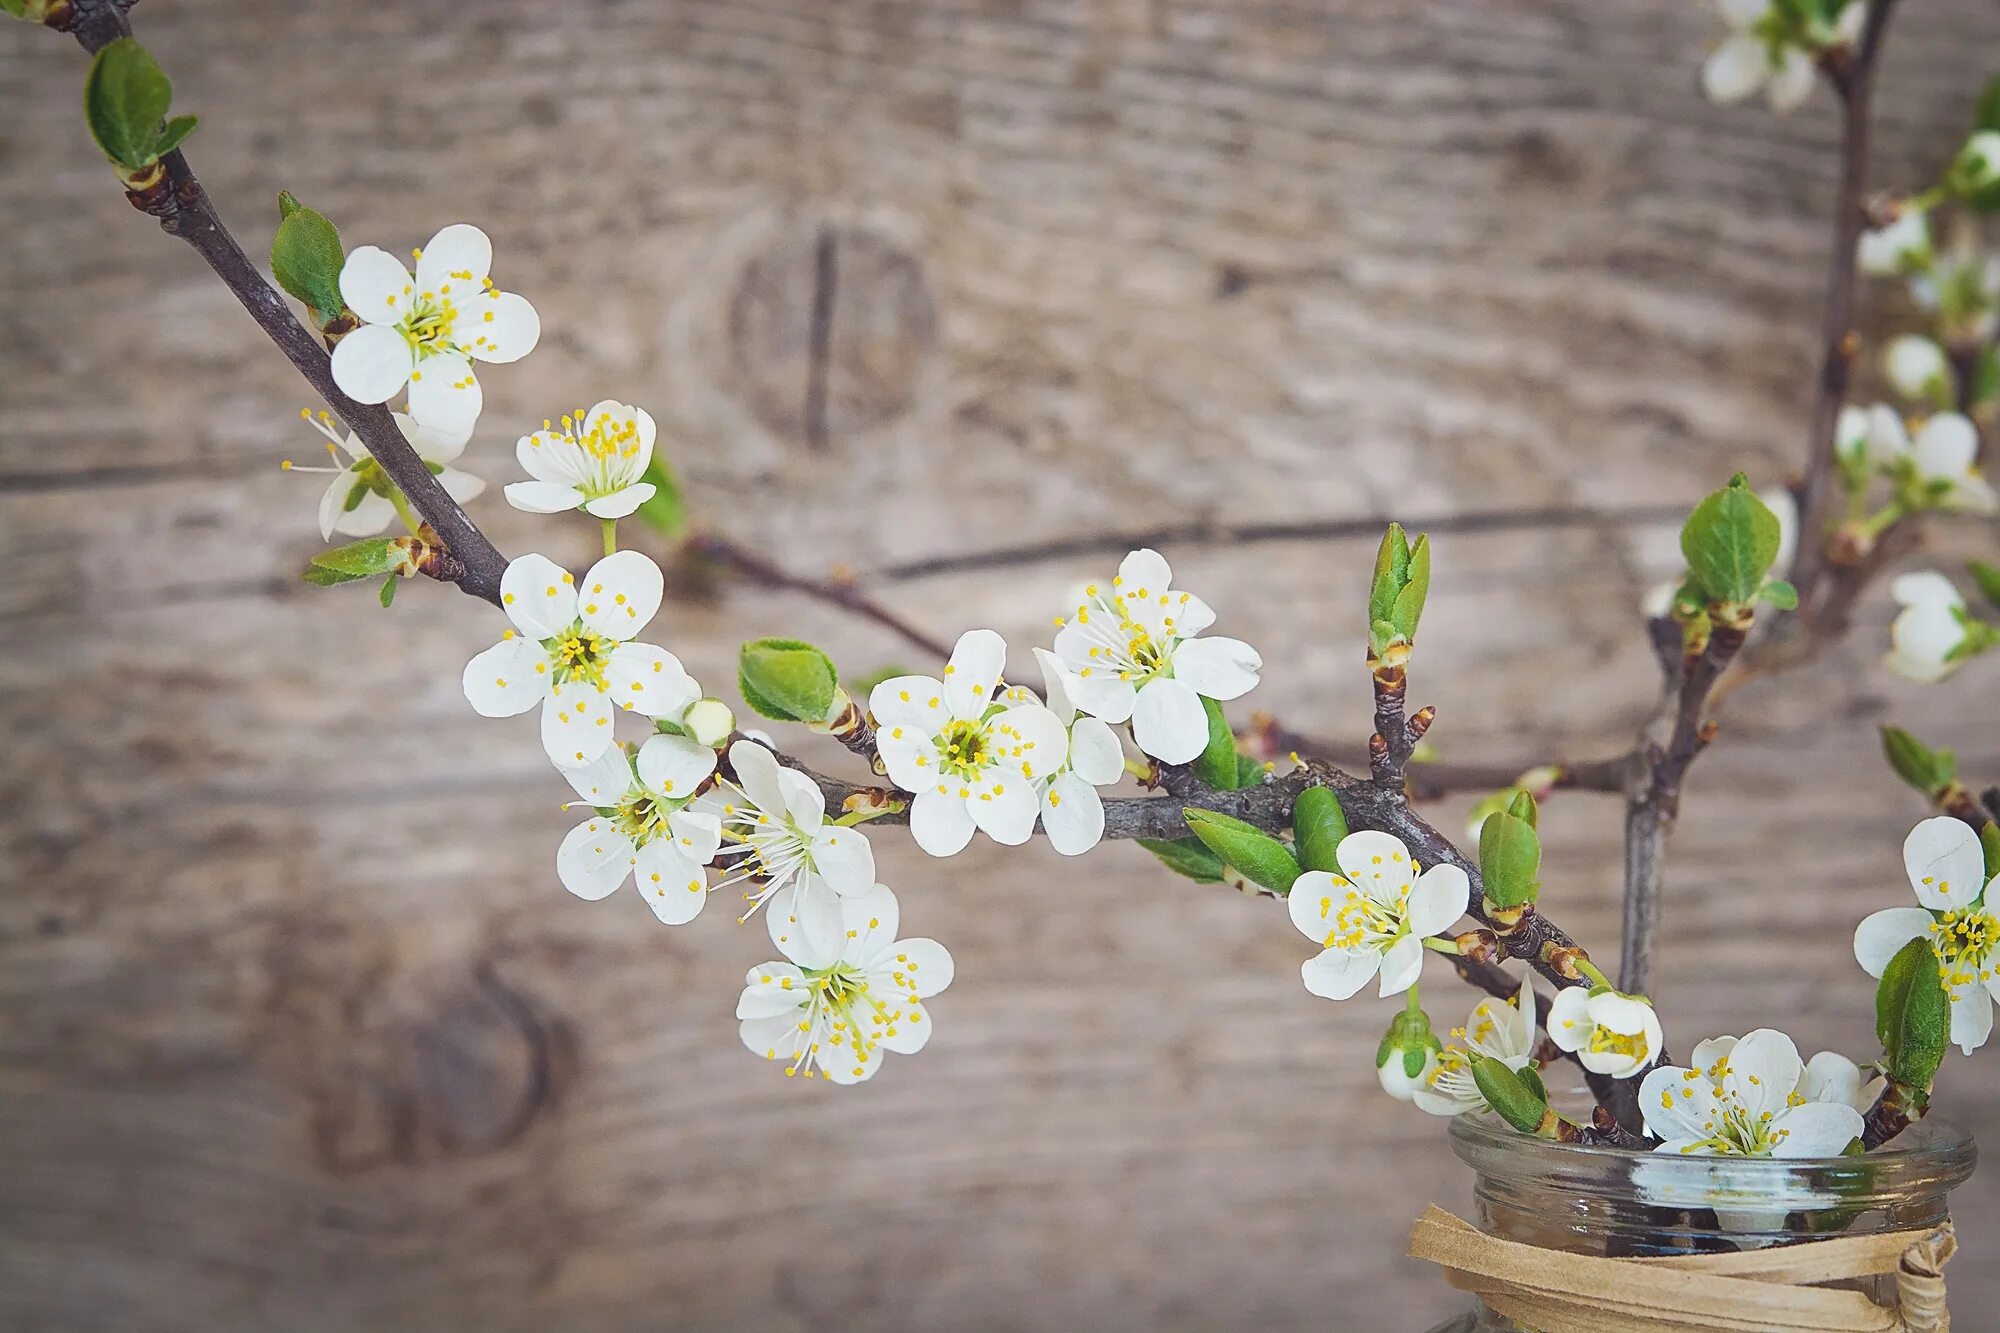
(1753, 1291)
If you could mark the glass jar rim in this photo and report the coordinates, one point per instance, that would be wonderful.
(1930, 1157)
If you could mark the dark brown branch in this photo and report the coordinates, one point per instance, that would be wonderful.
(841, 593)
(1853, 76)
(185, 210)
(1267, 738)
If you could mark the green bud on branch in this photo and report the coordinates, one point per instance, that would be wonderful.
(1258, 856)
(1318, 825)
(1396, 597)
(1406, 1049)
(1520, 1104)
(1510, 858)
(364, 559)
(306, 258)
(1988, 578)
(787, 680)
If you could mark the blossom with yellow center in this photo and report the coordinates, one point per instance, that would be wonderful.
(1133, 650)
(426, 331)
(595, 461)
(642, 828)
(1373, 917)
(572, 646)
(833, 1010)
(1502, 1030)
(360, 501)
(1947, 868)
(1610, 1033)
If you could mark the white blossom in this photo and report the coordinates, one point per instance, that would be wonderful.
(1930, 637)
(356, 502)
(1610, 1033)
(1875, 436)
(778, 838)
(1371, 919)
(1136, 655)
(642, 828)
(1502, 1030)
(1917, 367)
(1947, 868)
(577, 652)
(1832, 1077)
(1901, 244)
(595, 462)
(1755, 54)
(1944, 455)
(427, 331)
(1744, 1099)
(835, 1012)
(1072, 811)
(970, 765)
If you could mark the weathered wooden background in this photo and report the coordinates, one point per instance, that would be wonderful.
(297, 1029)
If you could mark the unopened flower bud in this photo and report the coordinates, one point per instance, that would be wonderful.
(1408, 1054)
(709, 722)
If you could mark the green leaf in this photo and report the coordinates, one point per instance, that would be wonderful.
(1392, 563)
(786, 679)
(124, 99)
(666, 511)
(288, 204)
(1912, 1016)
(1988, 578)
(1510, 860)
(388, 593)
(1318, 825)
(1249, 771)
(1258, 856)
(1216, 765)
(1989, 842)
(306, 257)
(1986, 377)
(863, 686)
(1509, 1094)
(1779, 594)
(18, 8)
(1186, 856)
(364, 559)
(1409, 604)
(1730, 540)
(1531, 1079)
(1523, 807)
(175, 134)
(1918, 764)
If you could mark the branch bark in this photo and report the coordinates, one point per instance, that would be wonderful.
(841, 593)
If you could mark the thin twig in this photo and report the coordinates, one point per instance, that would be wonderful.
(185, 210)
(841, 593)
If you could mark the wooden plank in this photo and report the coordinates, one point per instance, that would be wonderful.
(300, 1032)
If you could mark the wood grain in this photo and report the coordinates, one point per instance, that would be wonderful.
(297, 1029)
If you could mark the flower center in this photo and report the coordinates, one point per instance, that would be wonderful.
(1631, 1045)
(1965, 940)
(639, 817)
(964, 749)
(1364, 921)
(429, 325)
(1120, 643)
(840, 1021)
(580, 654)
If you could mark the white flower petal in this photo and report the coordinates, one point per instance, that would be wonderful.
(1971, 1017)
(458, 258)
(1946, 865)
(1817, 1129)
(1220, 668)
(594, 859)
(372, 363)
(1764, 1070)
(443, 391)
(805, 922)
(940, 823)
(1676, 1105)
(776, 1036)
(622, 502)
(1336, 974)
(1055, 684)
(551, 455)
(1832, 1077)
(915, 703)
(1314, 902)
(576, 724)
(697, 833)
(756, 771)
(461, 486)
(1103, 694)
(1168, 721)
(1094, 752)
(977, 662)
(507, 679)
(1734, 69)
(649, 680)
(1437, 901)
(1924, 587)
(766, 994)
(432, 445)
(1072, 815)
(1881, 935)
(673, 885)
(499, 327)
(537, 596)
(543, 497)
(1945, 447)
(674, 766)
(620, 594)
(1915, 366)
(1378, 864)
(843, 858)
(375, 284)
(371, 513)
(1569, 1020)
(1402, 964)
(1006, 812)
(604, 781)
(805, 803)
(1792, 82)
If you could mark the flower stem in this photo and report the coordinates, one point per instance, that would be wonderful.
(403, 510)
(1596, 974)
(1438, 944)
(610, 535)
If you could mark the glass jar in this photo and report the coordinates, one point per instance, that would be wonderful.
(1619, 1203)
